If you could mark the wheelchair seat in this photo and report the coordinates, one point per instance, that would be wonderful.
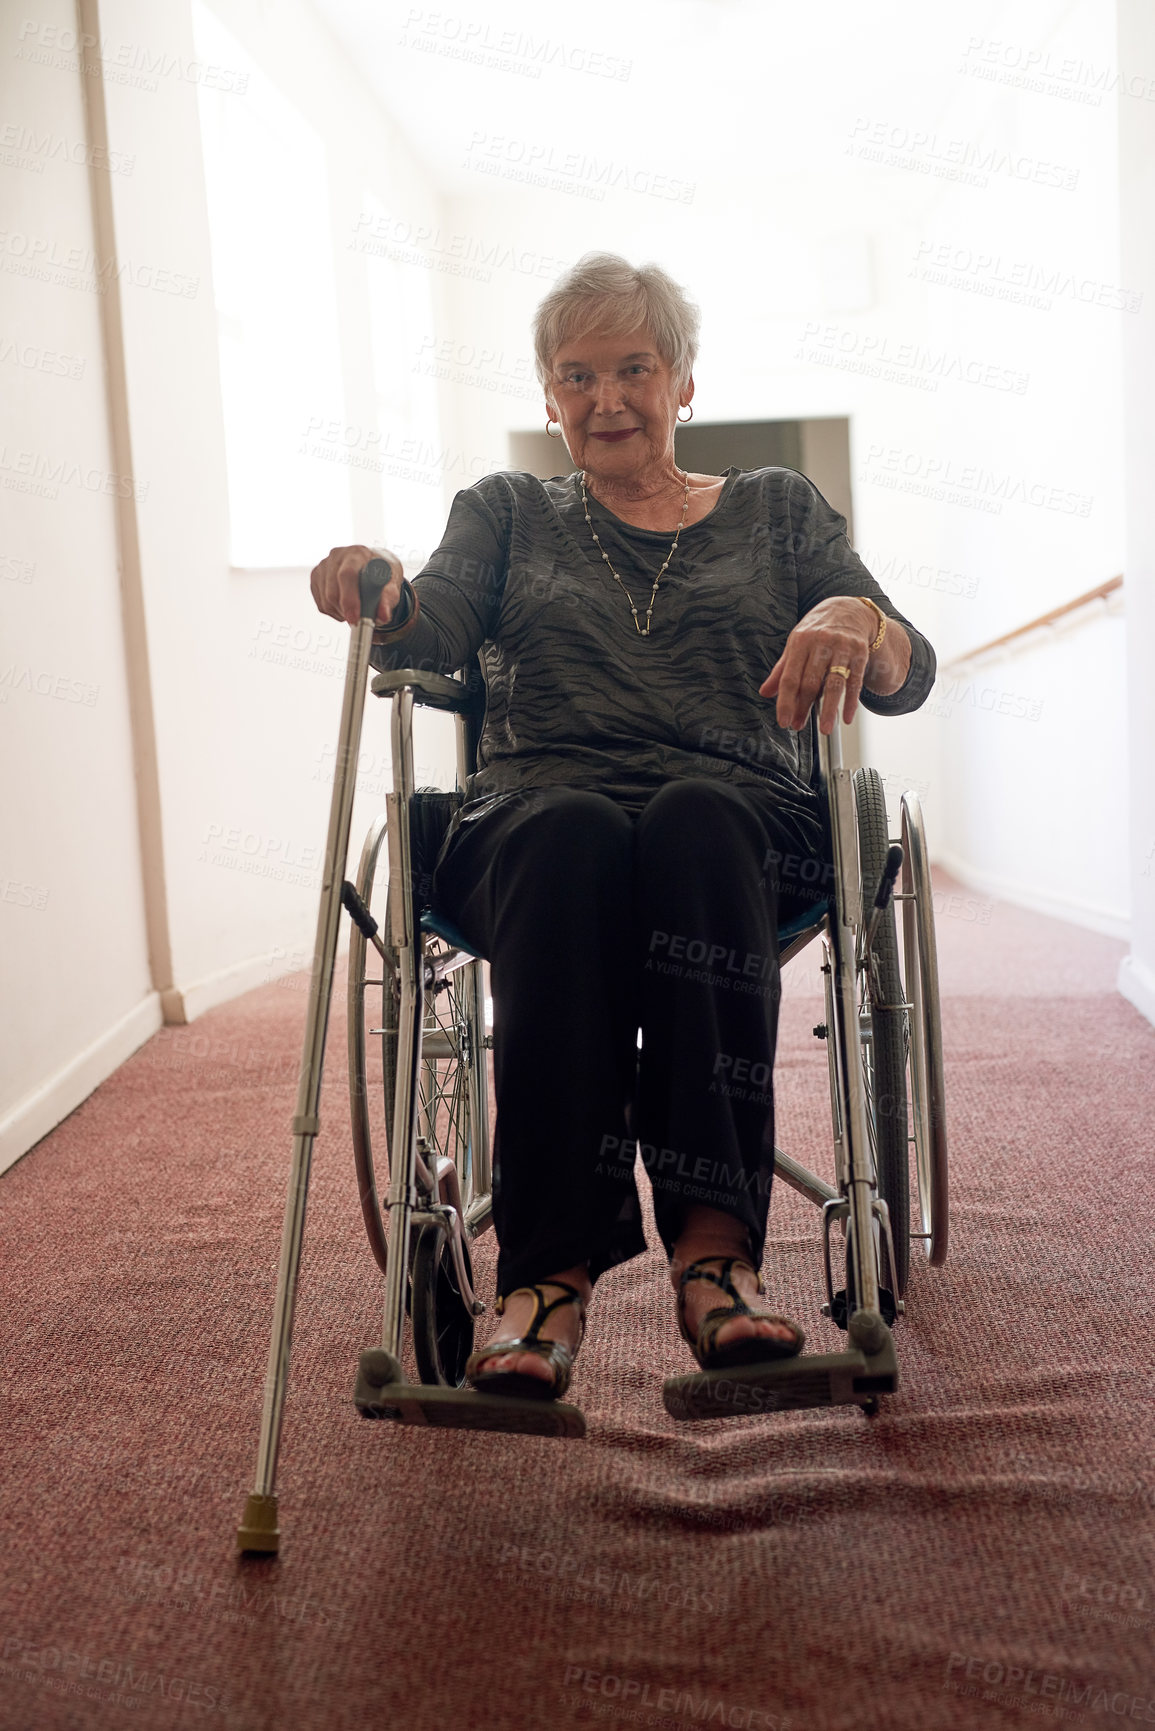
(432, 812)
(810, 919)
(445, 928)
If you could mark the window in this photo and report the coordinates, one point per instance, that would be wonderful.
(405, 373)
(273, 280)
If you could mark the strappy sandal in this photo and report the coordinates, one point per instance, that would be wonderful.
(747, 1349)
(556, 1353)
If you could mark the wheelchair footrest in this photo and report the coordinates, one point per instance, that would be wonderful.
(823, 1379)
(457, 1408)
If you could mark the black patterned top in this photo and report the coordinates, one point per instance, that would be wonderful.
(576, 697)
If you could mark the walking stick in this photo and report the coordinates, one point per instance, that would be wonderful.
(259, 1531)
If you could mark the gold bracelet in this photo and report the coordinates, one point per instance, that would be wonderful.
(873, 605)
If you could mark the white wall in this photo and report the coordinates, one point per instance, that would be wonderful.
(1137, 192)
(242, 737)
(1034, 747)
(243, 675)
(167, 834)
(78, 996)
(981, 502)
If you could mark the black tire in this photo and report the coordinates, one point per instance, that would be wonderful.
(447, 1108)
(927, 1087)
(445, 1098)
(884, 1058)
(442, 1326)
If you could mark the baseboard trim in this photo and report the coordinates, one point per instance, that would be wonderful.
(183, 1004)
(1137, 984)
(1095, 919)
(38, 1113)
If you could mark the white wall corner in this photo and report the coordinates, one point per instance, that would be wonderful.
(1137, 984)
(41, 1111)
(183, 1004)
(1109, 921)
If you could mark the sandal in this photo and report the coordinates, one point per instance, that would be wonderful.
(556, 1353)
(747, 1349)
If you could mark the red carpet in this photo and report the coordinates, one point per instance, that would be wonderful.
(978, 1555)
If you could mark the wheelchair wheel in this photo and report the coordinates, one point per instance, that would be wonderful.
(883, 1032)
(369, 989)
(450, 1047)
(442, 1325)
(928, 1095)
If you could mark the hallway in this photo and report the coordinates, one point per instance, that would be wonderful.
(997, 1515)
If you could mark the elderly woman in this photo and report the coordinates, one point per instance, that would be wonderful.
(656, 647)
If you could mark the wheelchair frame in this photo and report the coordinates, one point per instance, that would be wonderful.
(448, 1207)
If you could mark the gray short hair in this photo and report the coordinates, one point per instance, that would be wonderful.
(605, 293)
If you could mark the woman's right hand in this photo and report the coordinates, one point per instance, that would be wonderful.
(335, 583)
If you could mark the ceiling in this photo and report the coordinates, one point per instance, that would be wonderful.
(708, 92)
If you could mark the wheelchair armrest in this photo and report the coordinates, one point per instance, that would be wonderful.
(434, 690)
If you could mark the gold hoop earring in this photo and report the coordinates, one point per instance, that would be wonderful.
(689, 417)
(550, 424)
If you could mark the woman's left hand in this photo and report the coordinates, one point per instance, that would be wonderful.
(836, 633)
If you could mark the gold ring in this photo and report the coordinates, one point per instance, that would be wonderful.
(842, 672)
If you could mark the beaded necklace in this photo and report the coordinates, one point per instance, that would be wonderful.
(613, 573)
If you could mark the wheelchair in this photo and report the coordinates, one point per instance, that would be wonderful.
(416, 994)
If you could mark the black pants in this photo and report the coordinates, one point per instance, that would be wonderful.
(597, 923)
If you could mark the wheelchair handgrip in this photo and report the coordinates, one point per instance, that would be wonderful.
(374, 580)
(889, 872)
(357, 911)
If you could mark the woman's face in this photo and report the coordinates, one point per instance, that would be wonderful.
(617, 403)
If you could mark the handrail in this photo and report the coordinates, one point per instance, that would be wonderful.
(1099, 594)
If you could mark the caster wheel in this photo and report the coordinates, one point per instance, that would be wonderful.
(442, 1327)
(870, 1407)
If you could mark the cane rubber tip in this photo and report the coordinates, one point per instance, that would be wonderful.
(868, 1331)
(259, 1534)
